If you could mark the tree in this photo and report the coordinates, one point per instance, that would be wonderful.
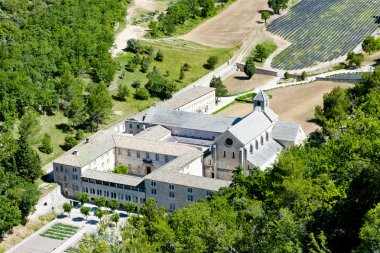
(369, 44)
(145, 62)
(265, 15)
(99, 214)
(28, 162)
(113, 205)
(130, 207)
(136, 84)
(115, 218)
(160, 87)
(355, 59)
(217, 83)
(134, 46)
(70, 142)
(99, 105)
(45, 146)
(67, 207)
(211, 62)
(10, 215)
(260, 53)
(286, 75)
(121, 169)
(82, 198)
(249, 68)
(278, 5)
(122, 92)
(100, 202)
(29, 126)
(369, 232)
(142, 94)
(85, 211)
(303, 76)
(159, 56)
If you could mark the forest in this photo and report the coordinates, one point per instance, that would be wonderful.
(48, 63)
(320, 197)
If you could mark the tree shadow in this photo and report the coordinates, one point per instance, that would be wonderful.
(241, 78)
(77, 219)
(64, 127)
(377, 63)
(92, 222)
(116, 98)
(270, 12)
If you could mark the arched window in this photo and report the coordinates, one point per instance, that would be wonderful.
(251, 148)
(267, 136)
(257, 144)
(261, 140)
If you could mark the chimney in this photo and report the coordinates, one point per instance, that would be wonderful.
(88, 140)
(75, 152)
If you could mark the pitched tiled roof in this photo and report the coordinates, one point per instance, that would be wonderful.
(265, 154)
(154, 133)
(286, 131)
(113, 177)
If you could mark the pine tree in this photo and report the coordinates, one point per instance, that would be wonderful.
(45, 146)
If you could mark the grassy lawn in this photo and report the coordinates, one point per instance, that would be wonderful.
(60, 231)
(176, 54)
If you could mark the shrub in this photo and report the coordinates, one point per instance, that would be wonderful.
(133, 46)
(122, 92)
(286, 75)
(186, 67)
(130, 66)
(136, 84)
(121, 169)
(145, 62)
(211, 62)
(217, 83)
(46, 145)
(142, 94)
(159, 56)
(70, 142)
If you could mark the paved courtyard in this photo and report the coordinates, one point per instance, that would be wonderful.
(39, 244)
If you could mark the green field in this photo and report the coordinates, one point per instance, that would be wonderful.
(324, 30)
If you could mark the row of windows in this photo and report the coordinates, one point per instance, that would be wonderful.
(225, 155)
(138, 155)
(60, 169)
(121, 186)
(257, 142)
(114, 195)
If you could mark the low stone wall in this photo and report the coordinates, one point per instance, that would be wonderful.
(342, 80)
(261, 71)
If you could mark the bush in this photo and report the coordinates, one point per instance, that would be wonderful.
(160, 87)
(211, 62)
(145, 62)
(79, 135)
(286, 75)
(186, 67)
(159, 56)
(122, 92)
(46, 145)
(303, 76)
(149, 50)
(70, 142)
(130, 66)
(142, 94)
(263, 50)
(121, 169)
(133, 46)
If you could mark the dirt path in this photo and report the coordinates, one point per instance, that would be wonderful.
(133, 31)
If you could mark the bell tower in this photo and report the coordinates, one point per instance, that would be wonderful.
(261, 101)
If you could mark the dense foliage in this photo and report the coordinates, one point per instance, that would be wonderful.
(321, 197)
(180, 12)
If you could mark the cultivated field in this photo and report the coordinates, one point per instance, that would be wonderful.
(230, 27)
(321, 31)
(294, 103)
(238, 83)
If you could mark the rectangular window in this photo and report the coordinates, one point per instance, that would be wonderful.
(61, 168)
(166, 159)
(154, 191)
(190, 190)
(129, 153)
(208, 193)
(233, 155)
(157, 157)
(138, 154)
(130, 125)
(224, 153)
(138, 126)
(153, 183)
(119, 151)
(171, 186)
(190, 197)
(171, 195)
(147, 155)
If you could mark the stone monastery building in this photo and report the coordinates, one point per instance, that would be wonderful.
(175, 153)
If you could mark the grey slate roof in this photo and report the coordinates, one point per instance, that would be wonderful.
(154, 133)
(186, 97)
(152, 146)
(187, 120)
(170, 173)
(261, 96)
(87, 152)
(265, 153)
(113, 177)
(251, 126)
(286, 131)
